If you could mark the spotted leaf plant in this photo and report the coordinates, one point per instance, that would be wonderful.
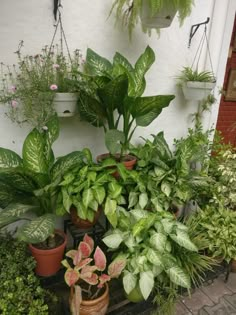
(88, 272)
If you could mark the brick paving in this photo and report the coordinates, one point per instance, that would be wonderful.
(216, 298)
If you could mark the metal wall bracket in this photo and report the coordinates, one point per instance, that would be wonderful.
(194, 29)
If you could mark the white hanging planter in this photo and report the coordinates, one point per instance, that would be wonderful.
(197, 91)
(161, 19)
(65, 104)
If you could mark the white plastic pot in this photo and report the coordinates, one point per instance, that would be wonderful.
(161, 19)
(65, 104)
(197, 91)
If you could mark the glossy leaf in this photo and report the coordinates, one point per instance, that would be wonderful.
(158, 241)
(87, 197)
(146, 283)
(85, 249)
(100, 259)
(113, 241)
(87, 239)
(37, 230)
(154, 257)
(93, 280)
(71, 277)
(143, 200)
(183, 240)
(9, 159)
(97, 65)
(117, 266)
(129, 282)
(99, 193)
(179, 277)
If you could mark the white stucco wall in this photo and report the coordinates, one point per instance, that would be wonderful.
(86, 25)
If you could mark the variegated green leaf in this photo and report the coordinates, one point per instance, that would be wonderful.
(113, 140)
(133, 199)
(37, 230)
(9, 159)
(166, 188)
(65, 163)
(97, 65)
(99, 193)
(114, 190)
(158, 241)
(179, 277)
(110, 211)
(113, 240)
(143, 200)
(17, 178)
(53, 129)
(87, 196)
(154, 257)
(129, 282)
(34, 152)
(13, 213)
(183, 240)
(146, 283)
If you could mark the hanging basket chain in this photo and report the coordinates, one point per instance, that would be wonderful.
(197, 56)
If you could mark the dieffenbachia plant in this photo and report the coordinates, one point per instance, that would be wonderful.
(113, 97)
(90, 188)
(79, 269)
(30, 183)
(149, 241)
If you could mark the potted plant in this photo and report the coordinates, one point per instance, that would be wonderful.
(40, 85)
(30, 185)
(114, 94)
(196, 85)
(159, 253)
(88, 282)
(85, 191)
(153, 14)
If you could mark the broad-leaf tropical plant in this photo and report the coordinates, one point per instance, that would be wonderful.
(115, 91)
(148, 241)
(26, 183)
(79, 270)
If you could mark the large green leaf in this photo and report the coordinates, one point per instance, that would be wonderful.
(65, 163)
(118, 60)
(53, 129)
(163, 149)
(97, 65)
(113, 140)
(87, 197)
(14, 212)
(113, 240)
(113, 94)
(179, 277)
(37, 230)
(34, 152)
(91, 110)
(99, 193)
(146, 109)
(110, 211)
(155, 257)
(7, 194)
(146, 283)
(18, 179)
(182, 238)
(129, 282)
(114, 190)
(158, 241)
(9, 159)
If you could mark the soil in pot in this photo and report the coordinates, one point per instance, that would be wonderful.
(84, 224)
(49, 260)
(51, 242)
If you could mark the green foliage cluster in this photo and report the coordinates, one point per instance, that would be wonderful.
(20, 290)
(188, 74)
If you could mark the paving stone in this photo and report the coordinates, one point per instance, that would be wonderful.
(222, 308)
(180, 309)
(231, 283)
(196, 301)
(216, 290)
(231, 299)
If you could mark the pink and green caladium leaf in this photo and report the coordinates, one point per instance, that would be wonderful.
(76, 299)
(100, 259)
(116, 267)
(103, 279)
(77, 258)
(87, 239)
(85, 249)
(87, 271)
(71, 277)
(71, 253)
(84, 262)
(93, 280)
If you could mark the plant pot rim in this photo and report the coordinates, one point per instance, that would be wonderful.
(97, 300)
(51, 250)
(104, 156)
(199, 84)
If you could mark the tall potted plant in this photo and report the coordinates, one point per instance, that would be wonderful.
(89, 283)
(30, 185)
(114, 94)
(40, 85)
(152, 13)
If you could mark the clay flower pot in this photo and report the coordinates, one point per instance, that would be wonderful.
(83, 224)
(97, 306)
(48, 260)
(129, 160)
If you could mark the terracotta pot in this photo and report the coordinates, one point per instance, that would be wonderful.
(48, 260)
(98, 306)
(83, 224)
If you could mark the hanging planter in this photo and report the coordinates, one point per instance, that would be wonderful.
(161, 19)
(65, 104)
(197, 91)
